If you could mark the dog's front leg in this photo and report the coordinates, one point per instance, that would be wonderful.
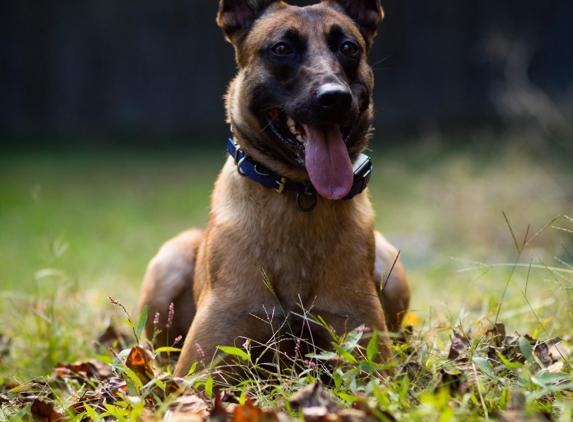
(219, 322)
(170, 279)
(391, 282)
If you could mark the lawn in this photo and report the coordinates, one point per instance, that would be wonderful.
(79, 226)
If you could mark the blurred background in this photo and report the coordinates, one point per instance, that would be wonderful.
(112, 133)
(89, 72)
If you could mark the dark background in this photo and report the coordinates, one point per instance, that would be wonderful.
(87, 72)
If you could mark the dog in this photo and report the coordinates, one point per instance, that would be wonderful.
(291, 224)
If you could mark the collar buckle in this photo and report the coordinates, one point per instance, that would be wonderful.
(282, 184)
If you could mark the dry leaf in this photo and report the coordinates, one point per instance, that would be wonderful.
(189, 407)
(542, 353)
(218, 413)
(139, 361)
(460, 345)
(250, 413)
(369, 412)
(454, 381)
(560, 350)
(92, 368)
(556, 367)
(314, 401)
(45, 412)
(497, 333)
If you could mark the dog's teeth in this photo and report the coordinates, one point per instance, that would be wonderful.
(299, 138)
(291, 125)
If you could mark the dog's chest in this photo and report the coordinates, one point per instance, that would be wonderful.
(256, 230)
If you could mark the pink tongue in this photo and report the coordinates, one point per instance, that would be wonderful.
(327, 161)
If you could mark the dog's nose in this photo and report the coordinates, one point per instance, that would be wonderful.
(334, 96)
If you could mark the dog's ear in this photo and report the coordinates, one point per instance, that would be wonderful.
(236, 16)
(366, 13)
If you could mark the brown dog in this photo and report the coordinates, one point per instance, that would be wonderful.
(301, 112)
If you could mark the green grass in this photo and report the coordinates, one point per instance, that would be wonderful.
(76, 227)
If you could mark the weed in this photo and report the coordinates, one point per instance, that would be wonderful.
(468, 355)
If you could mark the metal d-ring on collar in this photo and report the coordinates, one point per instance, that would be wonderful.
(307, 192)
(239, 162)
(362, 169)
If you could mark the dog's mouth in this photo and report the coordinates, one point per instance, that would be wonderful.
(292, 133)
(320, 148)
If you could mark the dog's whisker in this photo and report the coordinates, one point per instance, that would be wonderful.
(273, 119)
(380, 61)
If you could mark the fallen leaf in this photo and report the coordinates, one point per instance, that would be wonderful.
(218, 413)
(139, 361)
(460, 345)
(454, 381)
(92, 368)
(190, 406)
(45, 412)
(250, 413)
(555, 367)
(369, 412)
(110, 388)
(541, 351)
(521, 416)
(314, 401)
(497, 333)
(561, 349)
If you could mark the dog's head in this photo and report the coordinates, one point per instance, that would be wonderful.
(301, 102)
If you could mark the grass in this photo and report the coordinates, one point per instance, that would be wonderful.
(76, 227)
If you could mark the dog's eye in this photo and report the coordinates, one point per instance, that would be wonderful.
(281, 49)
(348, 48)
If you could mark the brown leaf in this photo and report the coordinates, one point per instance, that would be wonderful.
(352, 415)
(454, 381)
(92, 368)
(521, 416)
(459, 346)
(559, 349)
(110, 388)
(189, 406)
(174, 386)
(45, 412)
(370, 412)
(542, 353)
(314, 401)
(250, 413)
(497, 333)
(510, 349)
(540, 350)
(556, 367)
(139, 361)
(517, 411)
(218, 413)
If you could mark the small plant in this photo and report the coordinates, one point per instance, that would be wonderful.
(466, 366)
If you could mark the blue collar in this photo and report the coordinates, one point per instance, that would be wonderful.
(260, 174)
